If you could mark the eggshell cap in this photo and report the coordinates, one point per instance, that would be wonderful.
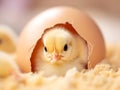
(83, 24)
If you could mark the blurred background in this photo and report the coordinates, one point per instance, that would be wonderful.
(106, 13)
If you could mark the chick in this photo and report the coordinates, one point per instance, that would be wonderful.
(8, 66)
(7, 52)
(61, 51)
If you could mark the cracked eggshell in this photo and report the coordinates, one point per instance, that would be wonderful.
(8, 39)
(82, 23)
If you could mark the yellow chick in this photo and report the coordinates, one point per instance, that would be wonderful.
(7, 65)
(7, 52)
(60, 52)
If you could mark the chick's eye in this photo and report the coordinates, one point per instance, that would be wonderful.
(65, 47)
(45, 48)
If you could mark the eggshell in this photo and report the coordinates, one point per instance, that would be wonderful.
(9, 39)
(82, 23)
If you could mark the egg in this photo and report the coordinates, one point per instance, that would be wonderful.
(8, 39)
(82, 23)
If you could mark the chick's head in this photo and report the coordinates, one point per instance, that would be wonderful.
(58, 45)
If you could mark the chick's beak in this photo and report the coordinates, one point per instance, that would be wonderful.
(56, 56)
